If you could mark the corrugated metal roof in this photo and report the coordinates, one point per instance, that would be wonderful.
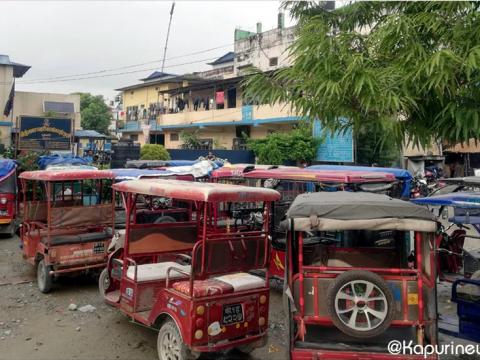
(228, 57)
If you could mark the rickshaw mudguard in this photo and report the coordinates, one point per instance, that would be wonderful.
(175, 308)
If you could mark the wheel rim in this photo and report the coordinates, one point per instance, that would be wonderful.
(361, 305)
(169, 346)
(41, 276)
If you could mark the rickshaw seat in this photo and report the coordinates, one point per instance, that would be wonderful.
(242, 281)
(225, 284)
(156, 271)
(209, 287)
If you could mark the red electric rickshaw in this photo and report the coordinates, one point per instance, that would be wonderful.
(67, 221)
(190, 279)
(8, 196)
(291, 182)
(349, 297)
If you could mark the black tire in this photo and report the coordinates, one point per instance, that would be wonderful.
(164, 219)
(104, 282)
(168, 339)
(374, 325)
(44, 279)
(246, 348)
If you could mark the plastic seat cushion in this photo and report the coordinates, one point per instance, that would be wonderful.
(201, 288)
(242, 281)
(156, 271)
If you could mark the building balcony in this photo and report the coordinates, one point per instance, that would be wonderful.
(243, 115)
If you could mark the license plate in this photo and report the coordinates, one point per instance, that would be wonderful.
(3, 213)
(232, 314)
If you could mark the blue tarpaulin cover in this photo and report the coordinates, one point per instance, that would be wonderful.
(47, 160)
(6, 167)
(401, 174)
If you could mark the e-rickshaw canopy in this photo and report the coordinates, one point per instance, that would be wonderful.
(326, 211)
(331, 176)
(7, 167)
(66, 175)
(196, 191)
(400, 174)
(466, 181)
(465, 200)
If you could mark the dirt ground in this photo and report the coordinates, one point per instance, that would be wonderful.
(38, 326)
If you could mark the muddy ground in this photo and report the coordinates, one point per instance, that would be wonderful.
(38, 326)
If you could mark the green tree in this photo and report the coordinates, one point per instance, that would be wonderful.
(408, 69)
(154, 152)
(280, 147)
(371, 149)
(95, 113)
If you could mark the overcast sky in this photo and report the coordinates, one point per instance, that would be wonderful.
(60, 38)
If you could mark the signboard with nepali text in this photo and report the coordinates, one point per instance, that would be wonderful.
(41, 133)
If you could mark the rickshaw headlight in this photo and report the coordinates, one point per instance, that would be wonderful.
(3, 201)
(261, 321)
(200, 310)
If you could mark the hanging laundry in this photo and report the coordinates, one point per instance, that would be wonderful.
(220, 97)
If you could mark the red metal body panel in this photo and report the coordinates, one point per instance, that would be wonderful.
(66, 175)
(310, 354)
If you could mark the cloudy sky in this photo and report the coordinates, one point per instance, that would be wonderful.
(63, 38)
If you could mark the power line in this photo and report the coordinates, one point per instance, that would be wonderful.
(117, 74)
(128, 66)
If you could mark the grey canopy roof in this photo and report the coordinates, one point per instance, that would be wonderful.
(356, 211)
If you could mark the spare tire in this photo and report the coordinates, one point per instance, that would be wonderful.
(360, 304)
(164, 219)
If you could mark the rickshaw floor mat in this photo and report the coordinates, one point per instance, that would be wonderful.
(330, 338)
(77, 238)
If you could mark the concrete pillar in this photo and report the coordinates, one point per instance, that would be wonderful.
(6, 82)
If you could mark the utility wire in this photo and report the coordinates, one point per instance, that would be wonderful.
(120, 73)
(128, 66)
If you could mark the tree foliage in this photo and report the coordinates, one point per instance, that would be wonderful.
(376, 63)
(95, 113)
(372, 150)
(280, 147)
(154, 152)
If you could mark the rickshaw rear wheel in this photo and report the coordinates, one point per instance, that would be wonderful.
(170, 345)
(44, 279)
(360, 304)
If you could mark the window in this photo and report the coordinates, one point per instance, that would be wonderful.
(174, 137)
(134, 137)
(274, 61)
(157, 139)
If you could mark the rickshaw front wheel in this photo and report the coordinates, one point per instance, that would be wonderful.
(44, 279)
(103, 282)
(170, 345)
